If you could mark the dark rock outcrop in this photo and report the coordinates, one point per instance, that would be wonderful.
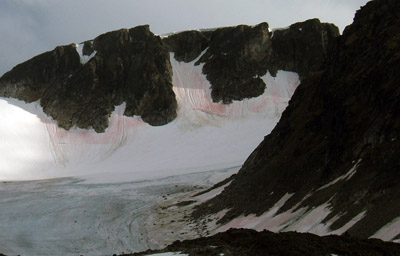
(303, 47)
(243, 242)
(130, 66)
(187, 45)
(87, 48)
(28, 81)
(234, 60)
(339, 139)
(237, 56)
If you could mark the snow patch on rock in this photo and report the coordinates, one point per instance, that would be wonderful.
(345, 176)
(389, 231)
(84, 58)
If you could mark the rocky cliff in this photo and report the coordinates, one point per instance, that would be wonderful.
(338, 141)
(79, 85)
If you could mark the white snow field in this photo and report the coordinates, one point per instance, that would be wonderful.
(78, 192)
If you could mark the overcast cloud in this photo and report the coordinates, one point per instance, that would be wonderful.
(29, 27)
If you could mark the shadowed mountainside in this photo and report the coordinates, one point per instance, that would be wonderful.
(338, 141)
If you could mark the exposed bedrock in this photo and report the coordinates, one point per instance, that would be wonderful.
(338, 141)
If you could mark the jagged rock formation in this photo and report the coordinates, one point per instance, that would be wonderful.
(244, 242)
(339, 139)
(303, 47)
(188, 45)
(237, 56)
(133, 66)
(130, 66)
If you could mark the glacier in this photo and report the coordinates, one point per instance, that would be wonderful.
(204, 136)
(78, 191)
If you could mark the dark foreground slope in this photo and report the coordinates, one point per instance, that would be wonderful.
(242, 242)
(344, 120)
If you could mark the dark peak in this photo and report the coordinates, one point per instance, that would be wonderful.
(141, 32)
(27, 81)
(302, 47)
(372, 13)
(310, 24)
(130, 66)
(110, 42)
(187, 45)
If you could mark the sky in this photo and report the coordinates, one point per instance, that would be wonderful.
(30, 27)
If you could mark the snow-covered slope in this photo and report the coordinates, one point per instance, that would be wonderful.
(205, 135)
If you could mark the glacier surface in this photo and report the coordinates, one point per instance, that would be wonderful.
(81, 192)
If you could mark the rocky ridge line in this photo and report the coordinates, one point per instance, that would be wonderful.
(133, 66)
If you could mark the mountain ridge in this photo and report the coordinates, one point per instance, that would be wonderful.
(132, 66)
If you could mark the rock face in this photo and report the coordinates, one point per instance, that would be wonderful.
(339, 139)
(133, 66)
(237, 56)
(187, 45)
(130, 66)
(303, 47)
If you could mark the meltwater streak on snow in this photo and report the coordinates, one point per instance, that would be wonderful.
(205, 135)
